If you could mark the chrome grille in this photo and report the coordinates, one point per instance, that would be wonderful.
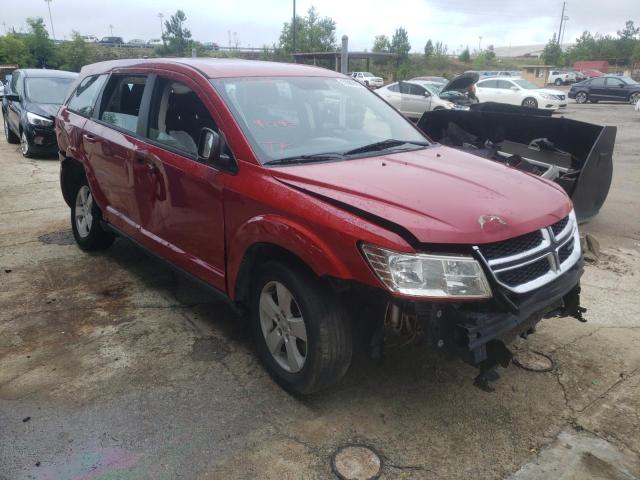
(530, 261)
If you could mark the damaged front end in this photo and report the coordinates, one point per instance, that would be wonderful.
(576, 155)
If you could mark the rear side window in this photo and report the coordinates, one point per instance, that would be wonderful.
(394, 88)
(178, 116)
(597, 82)
(504, 84)
(488, 84)
(123, 97)
(84, 98)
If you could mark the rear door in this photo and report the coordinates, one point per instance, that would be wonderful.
(110, 139)
(178, 197)
(486, 91)
(598, 89)
(507, 92)
(392, 95)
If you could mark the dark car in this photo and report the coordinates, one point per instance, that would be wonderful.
(609, 88)
(30, 106)
(111, 41)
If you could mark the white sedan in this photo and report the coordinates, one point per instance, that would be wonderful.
(414, 98)
(519, 92)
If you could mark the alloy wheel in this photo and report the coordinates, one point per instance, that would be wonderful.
(83, 211)
(634, 98)
(581, 97)
(530, 103)
(283, 327)
(24, 144)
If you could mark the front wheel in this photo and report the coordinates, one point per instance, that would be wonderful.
(582, 97)
(530, 103)
(8, 134)
(25, 146)
(301, 330)
(558, 82)
(85, 221)
(634, 98)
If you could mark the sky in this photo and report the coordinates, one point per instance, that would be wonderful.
(254, 23)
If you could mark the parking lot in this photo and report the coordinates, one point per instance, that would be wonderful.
(114, 366)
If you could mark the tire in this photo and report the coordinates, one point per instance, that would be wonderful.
(593, 101)
(634, 97)
(8, 134)
(309, 332)
(366, 83)
(530, 102)
(582, 97)
(86, 220)
(558, 82)
(25, 147)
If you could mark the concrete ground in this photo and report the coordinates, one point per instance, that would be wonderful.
(114, 367)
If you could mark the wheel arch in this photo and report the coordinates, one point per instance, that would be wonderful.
(71, 173)
(279, 239)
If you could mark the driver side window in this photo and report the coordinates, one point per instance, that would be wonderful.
(177, 117)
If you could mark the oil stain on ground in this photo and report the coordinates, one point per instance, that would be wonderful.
(63, 237)
(209, 349)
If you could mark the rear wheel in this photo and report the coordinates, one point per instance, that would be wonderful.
(582, 97)
(8, 134)
(558, 82)
(85, 221)
(634, 98)
(302, 332)
(530, 102)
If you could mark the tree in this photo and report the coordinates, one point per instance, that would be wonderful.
(39, 45)
(381, 44)
(177, 38)
(629, 32)
(428, 49)
(490, 54)
(400, 43)
(14, 51)
(440, 50)
(75, 54)
(313, 34)
(465, 56)
(552, 53)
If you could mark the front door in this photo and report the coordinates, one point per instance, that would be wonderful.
(616, 89)
(414, 101)
(14, 108)
(179, 198)
(598, 89)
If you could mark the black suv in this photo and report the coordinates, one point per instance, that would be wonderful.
(29, 106)
(607, 88)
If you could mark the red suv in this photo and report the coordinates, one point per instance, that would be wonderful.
(316, 208)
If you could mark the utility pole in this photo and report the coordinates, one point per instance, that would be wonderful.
(294, 26)
(564, 4)
(111, 29)
(53, 33)
(479, 43)
(161, 16)
(564, 29)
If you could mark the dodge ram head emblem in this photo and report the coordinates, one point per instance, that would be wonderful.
(491, 222)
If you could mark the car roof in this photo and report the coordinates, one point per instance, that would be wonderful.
(46, 73)
(217, 67)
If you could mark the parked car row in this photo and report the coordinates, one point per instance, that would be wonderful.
(607, 88)
(135, 42)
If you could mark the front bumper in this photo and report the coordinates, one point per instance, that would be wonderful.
(469, 329)
(41, 139)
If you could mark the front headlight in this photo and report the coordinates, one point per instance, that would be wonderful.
(548, 96)
(424, 275)
(38, 121)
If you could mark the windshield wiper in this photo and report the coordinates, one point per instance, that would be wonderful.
(315, 157)
(383, 145)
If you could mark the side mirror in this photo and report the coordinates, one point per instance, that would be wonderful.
(211, 146)
(514, 88)
(13, 97)
(427, 94)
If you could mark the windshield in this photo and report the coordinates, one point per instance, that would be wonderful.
(47, 89)
(294, 117)
(526, 84)
(368, 74)
(628, 80)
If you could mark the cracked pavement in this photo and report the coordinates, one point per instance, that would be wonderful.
(113, 366)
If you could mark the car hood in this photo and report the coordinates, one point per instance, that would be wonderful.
(438, 195)
(551, 91)
(47, 110)
(461, 82)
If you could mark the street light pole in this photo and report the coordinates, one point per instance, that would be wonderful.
(479, 43)
(161, 16)
(111, 29)
(564, 4)
(294, 26)
(53, 33)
